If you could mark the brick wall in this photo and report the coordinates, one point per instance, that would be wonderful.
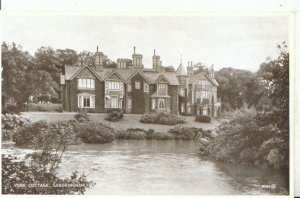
(173, 93)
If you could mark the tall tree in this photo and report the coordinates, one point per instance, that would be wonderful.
(16, 64)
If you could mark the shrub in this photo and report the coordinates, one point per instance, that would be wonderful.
(11, 109)
(185, 133)
(114, 115)
(162, 118)
(10, 124)
(203, 118)
(248, 138)
(44, 107)
(82, 116)
(162, 136)
(131, 133)
(93, 132)
(40, 131)
(15, 171)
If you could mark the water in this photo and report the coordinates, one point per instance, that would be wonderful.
(162, 167)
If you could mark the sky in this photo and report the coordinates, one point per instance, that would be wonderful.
(226, 41)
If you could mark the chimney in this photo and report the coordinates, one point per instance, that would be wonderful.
(156, 62)
(211, 72)
(137, 60)
(190, 69)
(99, 59)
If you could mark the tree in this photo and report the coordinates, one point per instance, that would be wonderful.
(16, 64)
(276, 74)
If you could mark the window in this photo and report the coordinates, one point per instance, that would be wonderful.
(205, 111)
(182, 92)
(129, 87)
(146, 87)
(86, 101)
(85, 83)
(129, 103)
(188, 109)
(114, 102)
(161, 104)
(137, 85)
(153, 104)
(162, 88)
(182, 108)
(205, 94)
(112, 85)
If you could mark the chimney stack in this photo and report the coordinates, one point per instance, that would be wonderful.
(156, 63)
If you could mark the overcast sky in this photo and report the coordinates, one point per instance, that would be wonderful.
(225, 41)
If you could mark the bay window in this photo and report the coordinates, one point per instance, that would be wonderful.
(153, 104)
(161, 104)
(86, 101)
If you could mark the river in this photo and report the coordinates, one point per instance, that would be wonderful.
(162, 167)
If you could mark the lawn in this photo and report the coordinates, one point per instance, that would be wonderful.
(129, 121)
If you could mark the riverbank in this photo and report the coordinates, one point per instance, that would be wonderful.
(161, 167)
(128, 121)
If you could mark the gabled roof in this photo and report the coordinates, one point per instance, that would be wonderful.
(137, 72)
(71, 72)
(149, 75)
(202, 76)
(160, 78)
(153, 75)
(115, 72)
(181, 71)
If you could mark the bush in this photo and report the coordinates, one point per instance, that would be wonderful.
(162, 118)
(11, 109)
(185, 133)
(44, 107)
(249, 138)
(82, 116)
(93, 132)
(162, 136)
(203, 118)
(10, 124)
(114, 115)
(40, 131)
(132, 133)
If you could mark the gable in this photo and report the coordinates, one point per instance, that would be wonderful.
(161, 79)
(85, 73)
(138, 74)
(114, 76)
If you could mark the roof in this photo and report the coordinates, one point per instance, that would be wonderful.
(181, 71)
(70, 71)
(202, 76)
(150, 75)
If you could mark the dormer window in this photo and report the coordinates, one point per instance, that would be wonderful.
(85, 83)
(162, 88)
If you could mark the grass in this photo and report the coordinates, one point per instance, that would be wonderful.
(128, 121)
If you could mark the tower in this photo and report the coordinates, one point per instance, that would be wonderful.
(156, 62)
(137, 60)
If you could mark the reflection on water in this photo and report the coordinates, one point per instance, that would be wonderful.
(162, 167)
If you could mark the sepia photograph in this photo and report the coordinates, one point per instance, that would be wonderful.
(145, 104)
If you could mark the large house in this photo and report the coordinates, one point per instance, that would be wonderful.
(138, 90)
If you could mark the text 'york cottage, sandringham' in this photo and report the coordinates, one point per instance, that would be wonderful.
(138, 90)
